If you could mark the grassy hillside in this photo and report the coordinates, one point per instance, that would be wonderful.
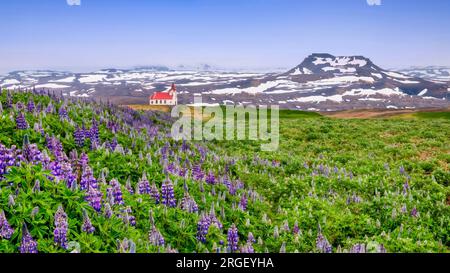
(87, 177)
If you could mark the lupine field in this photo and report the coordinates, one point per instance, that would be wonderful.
(90, 177)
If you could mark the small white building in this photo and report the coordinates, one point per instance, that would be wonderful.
(168, 97)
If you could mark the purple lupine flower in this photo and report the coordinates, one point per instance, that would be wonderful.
(28, 244)
(36, 186)
(9, 101)
(45, 159)
(155, 237)
(61, 226)
(32, 154)
(169, 249)
(30, 106)
(404, 209)
(55, 169)
(21, 122)
(86, 132)
(322, 244)
(8, 158)
(5, 229)
(108, 211)
(94, 132)
(226, 181)
(63, 113)
(154, 193)
(94, 198)
(83, 161)
(354, 199)
(68, 175)
(171, 168)
(144, 185)
(210, 178)
(128, 186)
(113, 144)
(49, 109)
(276, 232)
(109, 196)
(34, 212)
(116, 192)
(11, 201)
(358, 248)
(233, 238)
(336, 169)
(381, 249)
(167, 194)
(248, 248)
(197, 173)
(243, 202)
(251, 238)
(56, 147)
(20, 106)
(38, 107)
(213, 219)
(203, 227)
(232, 189)
(87, 224)
(296, 229)
(182, 172)
(78, 135)
(88, 180)
(414, 212)
(126, 246)
(283, 247)
(188, 203)
(405, 188)
(286, 226)
(128, 216)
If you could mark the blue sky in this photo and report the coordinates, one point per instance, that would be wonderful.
(227, 33)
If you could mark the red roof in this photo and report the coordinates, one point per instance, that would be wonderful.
(161, 96)
(166, 95)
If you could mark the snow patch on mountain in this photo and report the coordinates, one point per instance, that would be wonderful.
(423, 92)
(335, 98)
(396, 75)
(52, 86)
(371, 92)
(342, 80)
(93, 78)
(340, 61)
(351, 93)
(65, 80)
(250, 90)
(9, 82)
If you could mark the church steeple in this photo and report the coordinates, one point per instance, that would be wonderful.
(173, 89)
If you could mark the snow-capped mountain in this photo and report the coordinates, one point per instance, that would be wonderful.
(327, 82)
(321, 82)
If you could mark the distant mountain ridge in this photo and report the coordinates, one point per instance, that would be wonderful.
(432, 73)
(321, 82)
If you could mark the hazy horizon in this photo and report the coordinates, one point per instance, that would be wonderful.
(253, 34)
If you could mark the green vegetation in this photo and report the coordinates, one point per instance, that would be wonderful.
(394, 167)
(334, 185)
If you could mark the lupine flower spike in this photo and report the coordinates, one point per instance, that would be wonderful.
(5, 229)
(28, 244)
